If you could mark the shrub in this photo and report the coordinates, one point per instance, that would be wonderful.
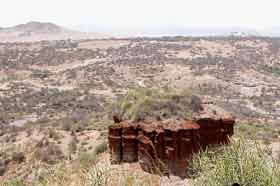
(87, 159)
(18, 157)
(241, 162)
(54, 134)
(13, 182)
(274, 70)
(100, 148)
(41, 74)
(138, 104)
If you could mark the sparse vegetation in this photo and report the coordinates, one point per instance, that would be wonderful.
(48, 152)
(255, 131)
(13, 182)
(275, 70)
(60, 91)
(90, 158)
(101, 175)
(40, 74)
(87, 159)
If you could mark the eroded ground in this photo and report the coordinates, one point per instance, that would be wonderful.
(55, 88)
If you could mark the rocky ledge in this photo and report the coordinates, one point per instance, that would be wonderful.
(166, 147)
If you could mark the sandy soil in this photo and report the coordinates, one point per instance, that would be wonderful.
(103, 44)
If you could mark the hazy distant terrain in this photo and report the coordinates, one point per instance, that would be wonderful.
(37, 31)
(179, 30)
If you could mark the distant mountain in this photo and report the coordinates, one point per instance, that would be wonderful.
(38, 27)
(38, 31)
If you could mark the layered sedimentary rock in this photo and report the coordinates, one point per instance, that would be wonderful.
(166, 147)
(115, 143)
(214, 132)
(215, 125)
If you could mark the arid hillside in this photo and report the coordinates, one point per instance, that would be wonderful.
(53, 79)
(57, 97)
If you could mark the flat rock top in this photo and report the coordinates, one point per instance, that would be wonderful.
(170, 124)
(212, 111)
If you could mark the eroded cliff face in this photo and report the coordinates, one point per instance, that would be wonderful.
(166, 147)
(214, 132)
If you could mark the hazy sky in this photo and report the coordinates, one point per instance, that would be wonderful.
(132, 13)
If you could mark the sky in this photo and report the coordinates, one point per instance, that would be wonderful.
(255, 14)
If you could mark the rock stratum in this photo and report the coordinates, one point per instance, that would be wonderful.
(166, 147)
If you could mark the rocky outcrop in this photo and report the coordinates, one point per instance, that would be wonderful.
(214, 132)
(165, 147)
(215, 125)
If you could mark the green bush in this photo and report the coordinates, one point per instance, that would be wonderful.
(140, 103)
(100, 148)
(87, 159)
(241, 162)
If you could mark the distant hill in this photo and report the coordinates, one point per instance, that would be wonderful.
(38, 31)
(37, 27)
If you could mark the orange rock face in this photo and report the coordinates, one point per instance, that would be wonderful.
(165, 147)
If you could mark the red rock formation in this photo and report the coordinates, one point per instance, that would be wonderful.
(210, 132)
(180, 141)
(215, 125)
(129, 142)
(115, 143)
(167, 146)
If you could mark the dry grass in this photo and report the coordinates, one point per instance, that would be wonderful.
(241, 162)
(99, 174)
